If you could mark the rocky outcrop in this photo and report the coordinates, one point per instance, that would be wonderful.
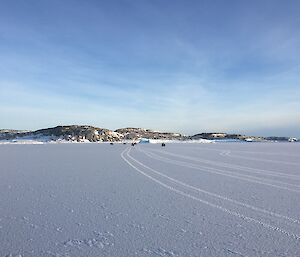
(225, 136)
(11, 133)
(68, 133)
(286, 139)
(136, 133)
(80, 133)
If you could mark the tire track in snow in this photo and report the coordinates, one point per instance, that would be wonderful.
(228, 153)
(242, 151)
(230, 212)
(257, 180)
(236, 167)
(292, 220)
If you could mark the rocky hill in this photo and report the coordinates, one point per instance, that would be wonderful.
(225, 136)
(136, 133)
(80, 133)
(73, 133)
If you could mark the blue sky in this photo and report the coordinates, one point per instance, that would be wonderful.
(188, 66)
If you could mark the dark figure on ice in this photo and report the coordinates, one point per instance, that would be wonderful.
(163, 144)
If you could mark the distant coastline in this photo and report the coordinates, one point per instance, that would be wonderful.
(81, 133)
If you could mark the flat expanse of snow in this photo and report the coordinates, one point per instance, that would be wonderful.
(222, 199)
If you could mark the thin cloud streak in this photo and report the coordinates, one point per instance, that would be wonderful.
(167, 66)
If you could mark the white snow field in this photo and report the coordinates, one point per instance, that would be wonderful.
(222, 199)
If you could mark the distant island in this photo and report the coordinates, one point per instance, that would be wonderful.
(81, 133)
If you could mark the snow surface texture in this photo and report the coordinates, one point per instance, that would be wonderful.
(222, 199)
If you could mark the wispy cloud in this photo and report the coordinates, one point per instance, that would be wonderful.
(190, 68)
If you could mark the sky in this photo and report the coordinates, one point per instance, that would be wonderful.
(182, 66)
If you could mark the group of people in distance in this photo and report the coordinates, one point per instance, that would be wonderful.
(134, 143)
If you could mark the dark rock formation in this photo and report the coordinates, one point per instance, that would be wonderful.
(136, 133)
